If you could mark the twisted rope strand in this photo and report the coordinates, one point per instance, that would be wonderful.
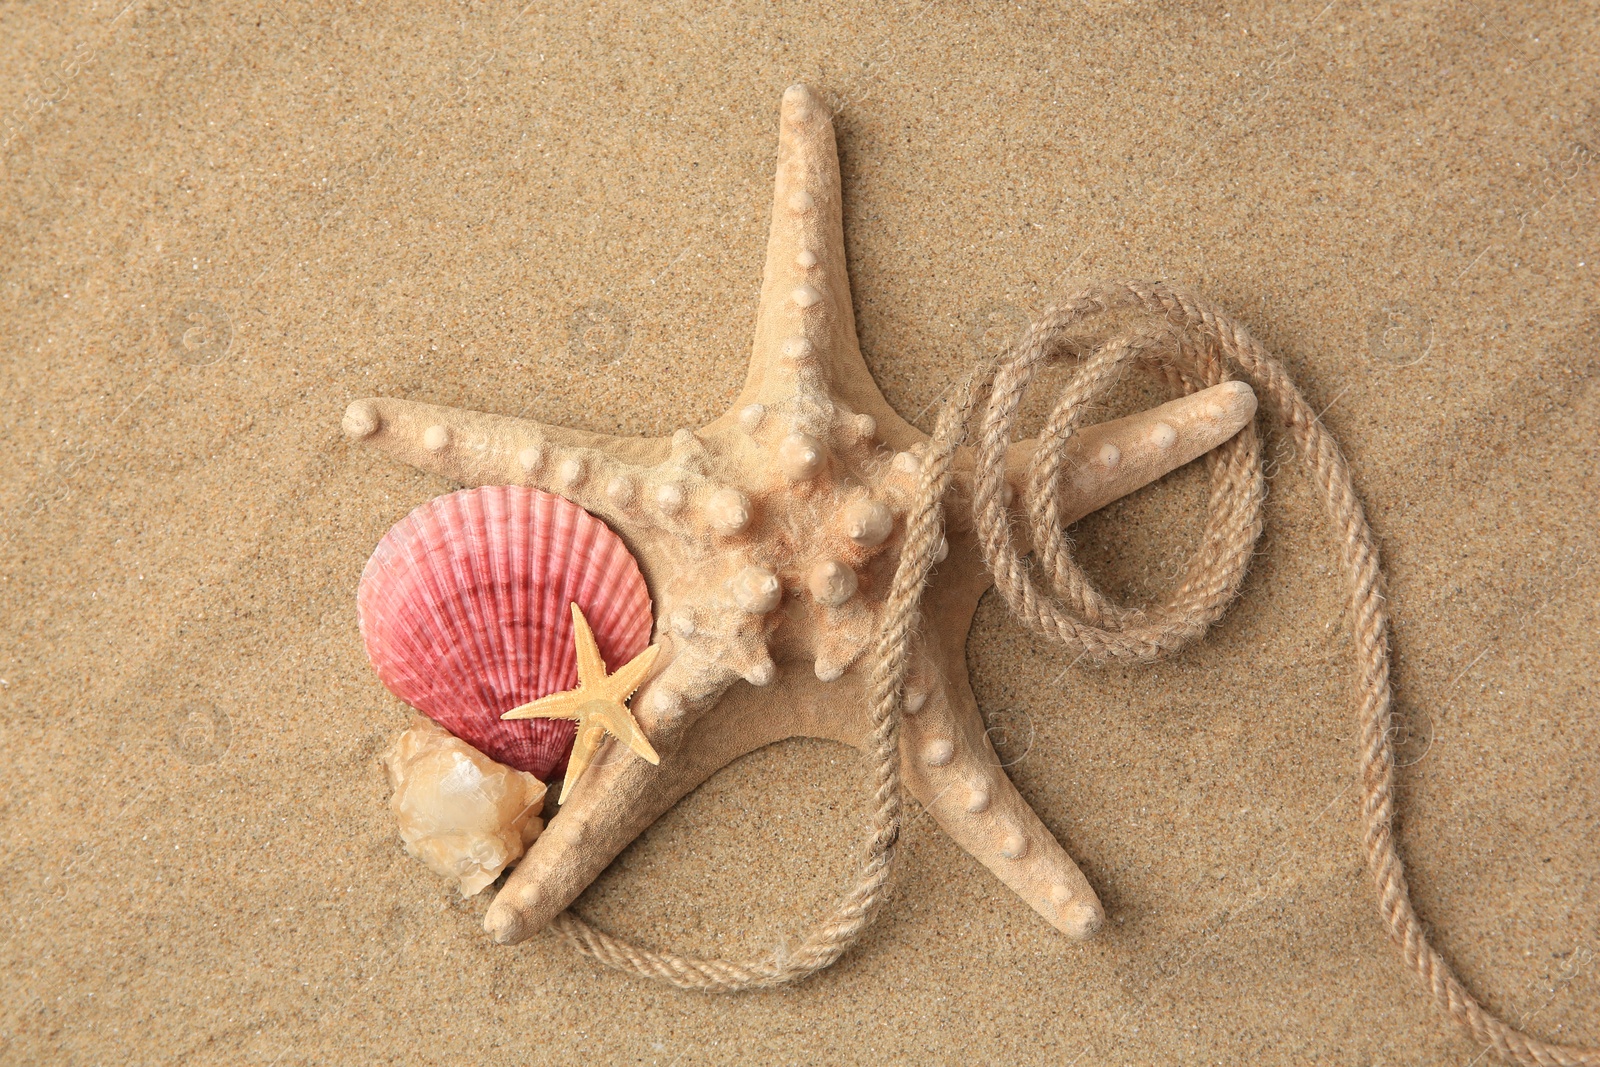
(1192, 345)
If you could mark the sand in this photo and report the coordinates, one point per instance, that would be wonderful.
(223, 222)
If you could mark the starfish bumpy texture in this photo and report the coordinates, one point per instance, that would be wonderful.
(769, 539)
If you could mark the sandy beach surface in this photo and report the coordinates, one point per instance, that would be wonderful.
(222, 222)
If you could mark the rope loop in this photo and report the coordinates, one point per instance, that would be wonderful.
(1192, 344)
(1070, 610)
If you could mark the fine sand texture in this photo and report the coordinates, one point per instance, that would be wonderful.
(220, 223)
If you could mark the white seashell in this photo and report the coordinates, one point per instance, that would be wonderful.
(464, 815)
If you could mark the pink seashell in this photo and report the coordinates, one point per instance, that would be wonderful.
(465, 608)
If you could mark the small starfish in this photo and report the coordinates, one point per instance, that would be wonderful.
(599, 704)
(769, 539)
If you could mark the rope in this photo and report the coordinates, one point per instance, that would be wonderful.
(1192, 344)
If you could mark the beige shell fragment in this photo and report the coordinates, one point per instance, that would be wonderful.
(460, 812)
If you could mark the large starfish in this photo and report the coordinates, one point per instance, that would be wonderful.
(769, 538)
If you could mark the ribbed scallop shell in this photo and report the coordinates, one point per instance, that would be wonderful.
(465, 609)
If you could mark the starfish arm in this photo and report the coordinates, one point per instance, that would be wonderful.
(474, 448)
(632, 674)
(584, 745)
(619, 723)
(565, 705)
(805, 348)
(616, 801)
(952, 769)
(591, 665)
(1112, 459)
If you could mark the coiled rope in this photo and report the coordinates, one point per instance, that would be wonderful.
(1192, 344)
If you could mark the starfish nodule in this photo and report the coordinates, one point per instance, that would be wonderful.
(769, 539)
(599, 704)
